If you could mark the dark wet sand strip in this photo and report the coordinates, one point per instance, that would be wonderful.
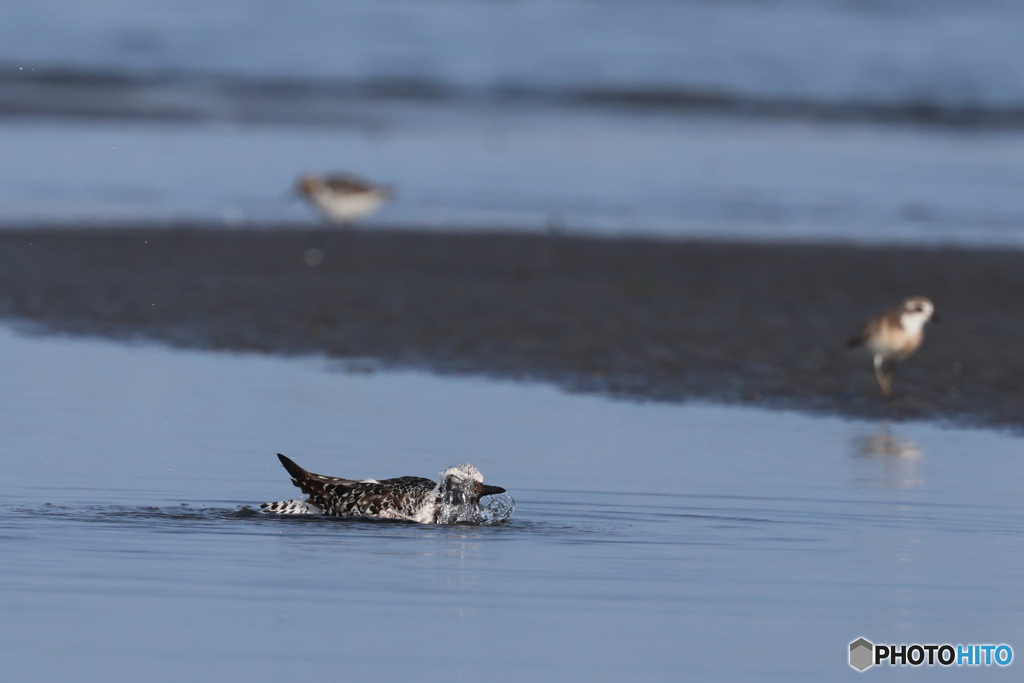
(732, 322)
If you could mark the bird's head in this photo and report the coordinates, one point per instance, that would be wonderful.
(917, 310)
(307, 185)
(463, 484)
(920, 307)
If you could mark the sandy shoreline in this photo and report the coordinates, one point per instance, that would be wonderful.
(732, 322)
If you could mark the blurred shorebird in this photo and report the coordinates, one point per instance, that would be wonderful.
(342, 198)
(892, 336)
(414, 499)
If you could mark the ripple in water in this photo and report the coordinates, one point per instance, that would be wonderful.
(498, 510)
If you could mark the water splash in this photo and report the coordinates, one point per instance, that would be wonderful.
(497, 510)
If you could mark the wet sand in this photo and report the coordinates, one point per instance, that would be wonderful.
(638, 318)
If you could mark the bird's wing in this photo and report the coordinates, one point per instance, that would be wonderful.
(867, 330)
(344, 183)
(337, 496)
(389, 498)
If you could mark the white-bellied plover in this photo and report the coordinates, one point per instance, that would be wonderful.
(892, 336)
(415, 499)
(342, 198)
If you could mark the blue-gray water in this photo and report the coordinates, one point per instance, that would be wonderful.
(942, 52)
(650, 542)
(598, 173)
(890, 120)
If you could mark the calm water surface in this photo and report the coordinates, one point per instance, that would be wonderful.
(650, 542)
(477, 113)
(599, 173)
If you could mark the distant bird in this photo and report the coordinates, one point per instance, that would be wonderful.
(342, 198)
(410, 498)
(892, 336)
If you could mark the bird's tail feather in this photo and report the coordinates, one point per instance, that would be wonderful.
(309, 483)
(297, 473)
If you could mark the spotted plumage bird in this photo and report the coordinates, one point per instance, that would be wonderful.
(414, 499)
(342, 198)
(892, 336)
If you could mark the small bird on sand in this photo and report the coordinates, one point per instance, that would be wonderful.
(342, 198)
(414, 499)
(892, 336)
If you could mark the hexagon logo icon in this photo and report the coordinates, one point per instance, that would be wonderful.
(862, 654)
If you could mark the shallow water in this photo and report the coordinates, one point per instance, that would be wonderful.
(650, 541)
(688, 118)
(598, 173)
(930, 52)
(683, 118)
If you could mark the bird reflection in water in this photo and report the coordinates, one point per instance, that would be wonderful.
(897, 461)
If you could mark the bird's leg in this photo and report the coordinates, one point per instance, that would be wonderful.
(884, 378)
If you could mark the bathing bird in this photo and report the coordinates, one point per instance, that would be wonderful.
(414, 499)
